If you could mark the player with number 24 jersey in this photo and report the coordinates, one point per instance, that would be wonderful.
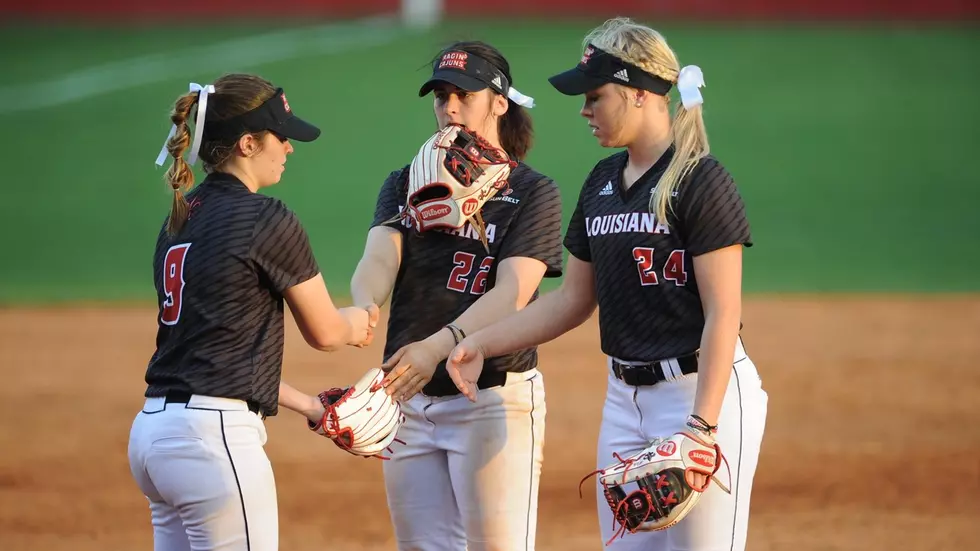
(643, 265)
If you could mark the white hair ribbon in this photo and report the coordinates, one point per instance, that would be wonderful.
(689, 81)
(202, 109)
(519, 98)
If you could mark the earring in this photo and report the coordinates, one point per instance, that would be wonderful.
(638, 103)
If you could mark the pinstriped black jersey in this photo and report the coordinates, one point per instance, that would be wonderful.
(444, 272)
(219, 284)
(649, 307)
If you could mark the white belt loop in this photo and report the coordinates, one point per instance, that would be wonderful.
(675, 366)
(198, 401)
(154, 405)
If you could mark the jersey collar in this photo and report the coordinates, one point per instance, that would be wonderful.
(642, 183)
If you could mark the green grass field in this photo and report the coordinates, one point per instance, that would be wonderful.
(849, 144)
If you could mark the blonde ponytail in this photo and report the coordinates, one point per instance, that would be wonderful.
(690, 146)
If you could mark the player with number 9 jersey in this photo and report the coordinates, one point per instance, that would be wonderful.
(467, 476)
(226, 260)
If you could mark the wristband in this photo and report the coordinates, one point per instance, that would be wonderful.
(458, 334)
(698, 423)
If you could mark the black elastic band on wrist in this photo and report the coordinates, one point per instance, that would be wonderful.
(698, 423)
(458, 334)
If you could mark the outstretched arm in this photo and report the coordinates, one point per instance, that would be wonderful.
(545, 319)
(304, 404)
(413, 365)
(374, 277)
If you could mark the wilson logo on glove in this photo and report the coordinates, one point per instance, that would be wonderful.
(470, 206)
(454, 173)
(361, 419)
(651, 490)
(667, 448)
(702, 457)
(432, 213)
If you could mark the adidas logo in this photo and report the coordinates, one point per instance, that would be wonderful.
(608, 190)
(621, 75)
(496, 82)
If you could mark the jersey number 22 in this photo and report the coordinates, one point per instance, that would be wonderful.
(173, 283)
(459, 277)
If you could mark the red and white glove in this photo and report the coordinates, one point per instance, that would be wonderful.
(360, 419)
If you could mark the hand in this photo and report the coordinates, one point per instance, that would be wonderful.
(374, 315)
(465, 364)
(359, 320)
(695, 479)
(314, 410)
(409, 369)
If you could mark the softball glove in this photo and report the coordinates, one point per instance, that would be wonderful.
(360, 419)
(650, 490)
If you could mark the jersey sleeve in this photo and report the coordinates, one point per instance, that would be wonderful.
(393, 194)
(576, 237)
(281, 248)
(711, 212)
(536, 230)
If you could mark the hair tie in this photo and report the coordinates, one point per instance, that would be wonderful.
(689, 80)
(202, 110)
(519, 98)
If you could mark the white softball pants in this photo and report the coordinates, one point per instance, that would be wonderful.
(468, 475)
(204, 470)
(633, 416)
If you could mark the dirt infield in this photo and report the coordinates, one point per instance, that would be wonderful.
(871, 443)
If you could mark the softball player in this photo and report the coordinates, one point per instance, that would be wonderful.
(225, 259)
(656, 241)
(446, 487)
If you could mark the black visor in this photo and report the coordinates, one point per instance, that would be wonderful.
(598, 68)
(467, 71)
(274, 115)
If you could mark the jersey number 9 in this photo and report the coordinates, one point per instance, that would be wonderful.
(173, 283)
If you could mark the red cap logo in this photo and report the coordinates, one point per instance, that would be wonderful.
(286, 103)
(454, 60)
(589, 50)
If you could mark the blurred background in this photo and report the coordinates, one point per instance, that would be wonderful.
(847, 125)
(845, 129)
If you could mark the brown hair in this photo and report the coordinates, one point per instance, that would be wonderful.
(234, 95)
(515, 128)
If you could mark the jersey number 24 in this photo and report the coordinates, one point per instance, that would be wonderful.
(673, 267)
(173, 283)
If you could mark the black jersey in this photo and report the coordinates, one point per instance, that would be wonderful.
(219, 284)
(443, 272)
(649, 307)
